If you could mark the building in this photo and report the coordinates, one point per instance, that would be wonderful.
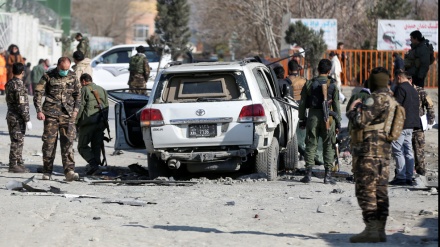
(140, 21)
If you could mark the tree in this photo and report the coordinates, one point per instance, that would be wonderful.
(310, 40)
(172, 25)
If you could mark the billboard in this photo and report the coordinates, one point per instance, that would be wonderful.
(329, 26)
(394, 34)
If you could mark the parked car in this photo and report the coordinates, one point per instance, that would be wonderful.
(110, 68)
(211, 116)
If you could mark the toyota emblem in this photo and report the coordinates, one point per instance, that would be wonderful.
(200, 112)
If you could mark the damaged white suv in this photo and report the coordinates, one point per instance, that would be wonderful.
(219, 116)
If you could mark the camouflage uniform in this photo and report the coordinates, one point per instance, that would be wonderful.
(17, 116)
(371, 159)
(62, 99)
(84, 46)
(418, 136)
(139, 73)
(90, 122)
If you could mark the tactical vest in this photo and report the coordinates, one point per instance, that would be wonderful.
(314, 93)
(137, 64)
(297, 85)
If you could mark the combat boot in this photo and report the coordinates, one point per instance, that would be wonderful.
(328, 177)
(93, 167)
(370, 233)
(308, 177)
(17, 169)
(381, 229)
(72, 176)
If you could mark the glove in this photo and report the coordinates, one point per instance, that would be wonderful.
(29, 125)
(302, 123)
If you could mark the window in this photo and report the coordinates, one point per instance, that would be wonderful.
(140, 32)
(262, 83)
(118, 56)
(202, 88)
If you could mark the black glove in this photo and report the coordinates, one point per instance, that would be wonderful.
(302, 123)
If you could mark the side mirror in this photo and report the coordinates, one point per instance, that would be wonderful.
(286, 91)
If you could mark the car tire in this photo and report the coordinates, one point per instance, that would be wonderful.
(290, 157)
(156, 167)
(267, 162)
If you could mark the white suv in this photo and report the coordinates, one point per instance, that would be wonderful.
(211, 117)
(110, 68)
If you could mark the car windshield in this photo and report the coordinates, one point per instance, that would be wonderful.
(152, 56)
(198, 87)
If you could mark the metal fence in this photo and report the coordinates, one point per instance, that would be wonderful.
(359, 62)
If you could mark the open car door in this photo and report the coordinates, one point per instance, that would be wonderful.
(128, 133)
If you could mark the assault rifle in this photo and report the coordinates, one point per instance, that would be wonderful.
(325, 108)
(105, 120)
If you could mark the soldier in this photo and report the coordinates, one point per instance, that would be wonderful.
(297, 81)
(417, 60)
(83, 45)
(17, 117)
(418, 135)
(312, 97)
(59, 111)
(90, 121)
(139, 71)
(82, 64)
(371, 156)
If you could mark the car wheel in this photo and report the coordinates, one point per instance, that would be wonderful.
(290, 157)
(267, 162)
(156, 167)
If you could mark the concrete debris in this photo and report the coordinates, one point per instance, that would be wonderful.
(130, 202)
(427, 212)
(231, 203)
(337, 191)
(406, 229)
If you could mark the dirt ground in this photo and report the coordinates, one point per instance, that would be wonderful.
(220, 211)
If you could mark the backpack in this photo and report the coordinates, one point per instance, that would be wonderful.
(431, 52)
(394, 121)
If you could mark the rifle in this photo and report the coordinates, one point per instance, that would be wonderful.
(109, 138)
(325, 108)
(294, 54)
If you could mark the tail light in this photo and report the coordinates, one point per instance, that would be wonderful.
(151, 117)
(252, 113)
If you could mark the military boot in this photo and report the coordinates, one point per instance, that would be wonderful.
(381, 229)
(72, 176)
(308, 177)
(93, 167)
(328, 177)
(370, 233)
(17, 169)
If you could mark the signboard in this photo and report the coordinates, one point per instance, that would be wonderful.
(329, 26)
(394, 34)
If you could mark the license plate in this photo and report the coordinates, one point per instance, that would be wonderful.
(202, 130)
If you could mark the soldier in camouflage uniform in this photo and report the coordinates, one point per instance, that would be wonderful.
(83, 45)
(139, 71)
(371, 156)
(90, 121)
(17, 117)
(418, 135)
(59, 110)
(312, 98)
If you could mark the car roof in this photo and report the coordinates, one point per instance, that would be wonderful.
(127, 45)
(209, 66)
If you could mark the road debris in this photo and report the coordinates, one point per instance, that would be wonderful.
(130, 202)
(158, 182)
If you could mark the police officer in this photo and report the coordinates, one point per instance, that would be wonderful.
(371, 156)
(17, 117)
(59, 110)
(83, 45)
(139, 71)
(90, 121)
(312, 97)
(418, 135)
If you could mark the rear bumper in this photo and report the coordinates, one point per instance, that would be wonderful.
(204, 156)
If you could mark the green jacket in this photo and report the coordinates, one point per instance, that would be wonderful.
(37, 73)
(89, 111)
(84, 47)
(305, 93)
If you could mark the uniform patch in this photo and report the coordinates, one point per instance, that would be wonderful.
(22, 100)
(369, 102)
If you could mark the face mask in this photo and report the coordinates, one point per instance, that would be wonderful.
(63, 72)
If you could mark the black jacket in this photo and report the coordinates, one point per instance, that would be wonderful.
(408, 97)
